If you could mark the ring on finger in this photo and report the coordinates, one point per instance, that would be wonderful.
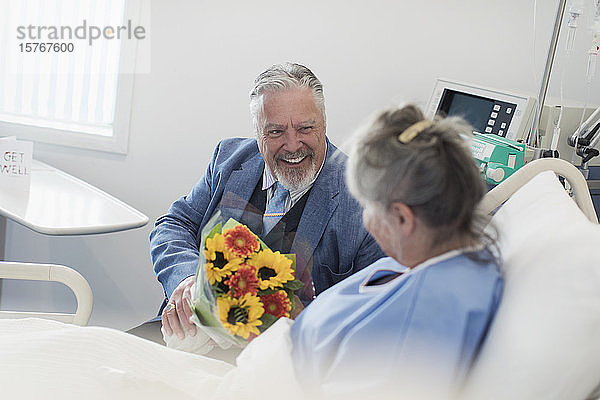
(170, 307)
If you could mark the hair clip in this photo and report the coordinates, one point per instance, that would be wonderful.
(412, 131)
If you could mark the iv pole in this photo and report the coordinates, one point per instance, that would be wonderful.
(533, 134)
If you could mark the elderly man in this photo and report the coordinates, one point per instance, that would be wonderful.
(290, 168)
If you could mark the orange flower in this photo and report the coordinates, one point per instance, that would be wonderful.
(243, 281)
(277, 304)
(241, 241)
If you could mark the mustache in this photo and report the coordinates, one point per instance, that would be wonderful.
(288, 155)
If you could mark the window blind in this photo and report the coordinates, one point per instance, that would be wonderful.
(71, 86)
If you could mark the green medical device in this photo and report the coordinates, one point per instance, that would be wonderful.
(497, 157)
(500, 120)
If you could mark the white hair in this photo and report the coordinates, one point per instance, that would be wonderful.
(281, 77)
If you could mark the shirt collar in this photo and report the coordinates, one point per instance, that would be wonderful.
(393, 266)
(448, 255)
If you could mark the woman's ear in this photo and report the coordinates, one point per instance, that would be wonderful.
(404, 216)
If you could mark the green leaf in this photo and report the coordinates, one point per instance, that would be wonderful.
(294, 285)
(220, 288)
(290, 296)
(268, 320)
(292, 257)
(217, 229)
(267, 291)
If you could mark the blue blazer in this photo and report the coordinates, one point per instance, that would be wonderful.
(330, 236)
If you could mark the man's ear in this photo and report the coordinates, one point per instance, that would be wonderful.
(404, 216)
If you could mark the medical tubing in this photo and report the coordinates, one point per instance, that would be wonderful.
(533, 68)
(595, 47)
(585, 105)
(575, 11)
(556, 133)
(570, 39)
(591, 67)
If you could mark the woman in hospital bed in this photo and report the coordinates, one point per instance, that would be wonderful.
(412, 323)
(408, 324)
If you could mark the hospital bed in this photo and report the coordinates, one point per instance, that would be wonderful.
(581, 194)
(543, 344)
(53, 273)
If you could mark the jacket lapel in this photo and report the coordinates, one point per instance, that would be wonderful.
(237, 192)
(319, 208)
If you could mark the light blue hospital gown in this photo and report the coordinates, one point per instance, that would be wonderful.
(377, 327)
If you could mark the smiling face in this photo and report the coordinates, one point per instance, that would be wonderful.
(291, 136)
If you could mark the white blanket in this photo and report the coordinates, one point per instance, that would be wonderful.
(49, 360)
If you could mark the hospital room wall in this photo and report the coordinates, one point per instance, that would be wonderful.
(204, 56)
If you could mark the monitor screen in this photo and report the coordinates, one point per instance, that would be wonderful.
(485, 115)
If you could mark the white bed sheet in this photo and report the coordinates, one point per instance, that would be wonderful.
(43, 359)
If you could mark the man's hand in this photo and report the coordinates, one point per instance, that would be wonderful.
(176, 315)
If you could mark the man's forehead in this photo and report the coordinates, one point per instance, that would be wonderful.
(295, 98)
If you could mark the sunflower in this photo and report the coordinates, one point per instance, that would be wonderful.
(241, 316)
(243, 281)
(241, 241)
(219, 261)
(277, 304)
(274, 269)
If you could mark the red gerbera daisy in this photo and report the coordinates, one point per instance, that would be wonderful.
(243, 281)
(277, 304)
(241, 241)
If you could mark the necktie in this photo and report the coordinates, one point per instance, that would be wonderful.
(275, 208)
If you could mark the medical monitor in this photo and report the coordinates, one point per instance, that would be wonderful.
(489, 111)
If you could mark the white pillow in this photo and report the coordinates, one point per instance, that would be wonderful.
(545, 340)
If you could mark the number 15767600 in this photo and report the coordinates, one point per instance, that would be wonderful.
(50, 47)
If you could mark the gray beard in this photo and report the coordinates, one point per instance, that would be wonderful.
(296, 180)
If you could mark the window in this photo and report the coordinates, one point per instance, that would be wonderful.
(66, 71)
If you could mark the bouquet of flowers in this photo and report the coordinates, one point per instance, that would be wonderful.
(242, 287)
